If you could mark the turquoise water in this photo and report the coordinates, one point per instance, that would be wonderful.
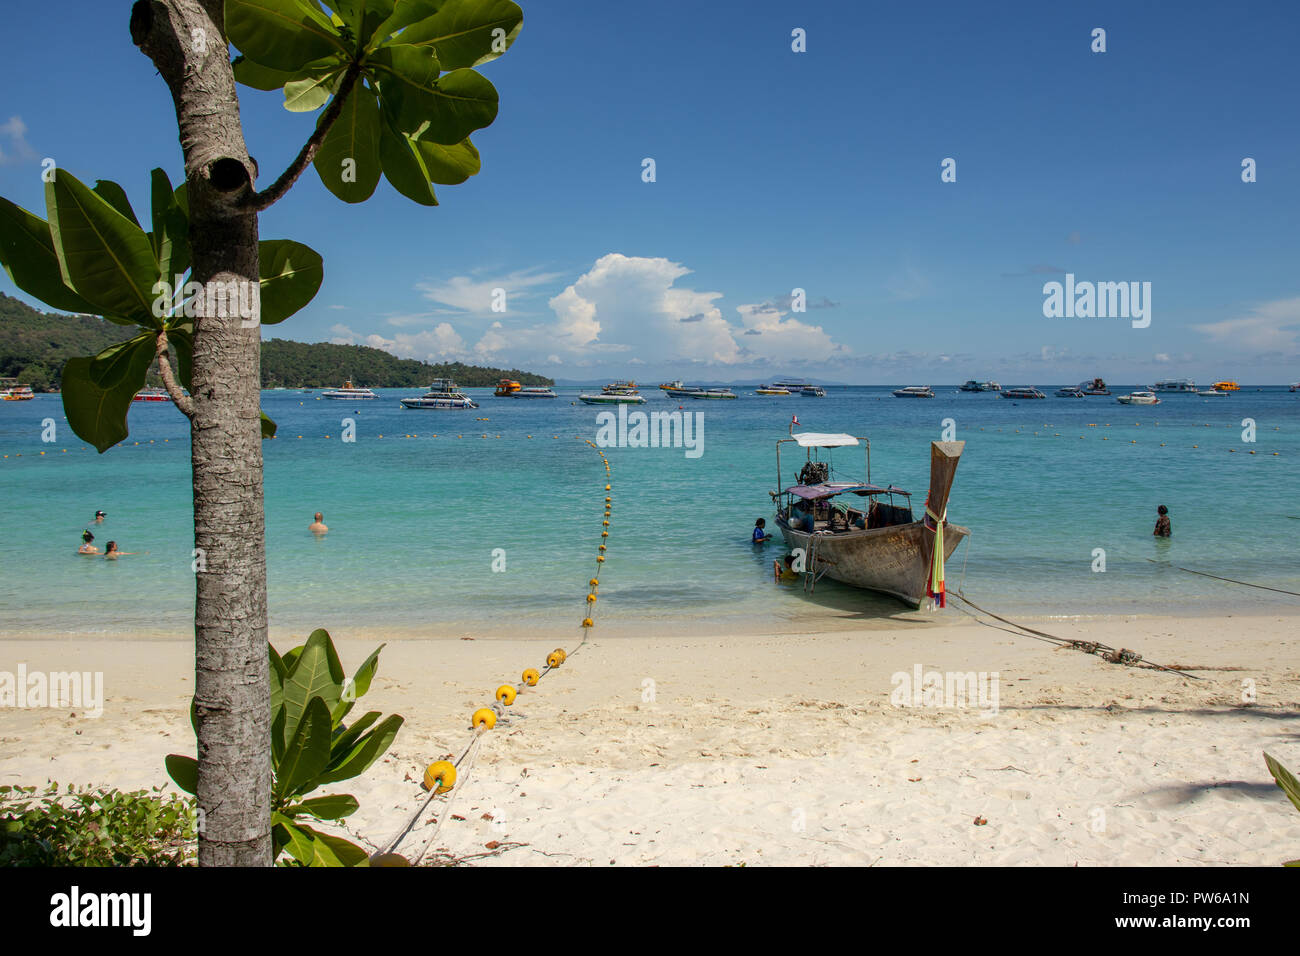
(414, 521)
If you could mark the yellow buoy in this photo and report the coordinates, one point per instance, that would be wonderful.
(594, 582)
(484, 718)
(591, 599)
(553, 659)
(506, 694)
(387, 859)
(440, 773)
(600, 559)
(607, 487)
(588, 622)
(531, 677)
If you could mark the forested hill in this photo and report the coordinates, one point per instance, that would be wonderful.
(34, 345)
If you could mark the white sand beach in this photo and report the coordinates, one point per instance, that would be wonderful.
(774, 749)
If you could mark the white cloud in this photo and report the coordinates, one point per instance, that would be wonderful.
(475, 296)
(1269, 327)
(14, 147)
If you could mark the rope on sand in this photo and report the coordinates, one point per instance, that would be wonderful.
(1107, 653)
(441, 776)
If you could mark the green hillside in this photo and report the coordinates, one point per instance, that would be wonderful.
(34, 345)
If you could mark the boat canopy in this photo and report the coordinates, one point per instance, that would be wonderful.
(823, 440)
(831, 488)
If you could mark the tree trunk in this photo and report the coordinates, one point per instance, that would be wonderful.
(186, 41)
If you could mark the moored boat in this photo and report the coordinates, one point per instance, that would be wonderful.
(615, 393)
(151, 395)
(507, 387)
(17, 393)
(1215, 393)
(1070, 391)
(1184, 385)
(348, 392)
(1096, 387)
(1139, 398)
(813, 391)
(771, 390)
(442, 394)
(914, 391)
(970, 385)
(1022, 391)
(858, 533)
(1226, 386)
(708, 393)
(534, 391)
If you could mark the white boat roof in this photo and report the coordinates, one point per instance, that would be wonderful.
(823, 440)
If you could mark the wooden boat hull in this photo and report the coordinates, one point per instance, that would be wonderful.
(892, 560)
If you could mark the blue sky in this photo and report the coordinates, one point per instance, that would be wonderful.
(778, 170)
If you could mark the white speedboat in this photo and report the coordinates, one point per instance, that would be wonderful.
(1184, 385)
(1139, 398)
(534, 391)
(914, 391)
(442, 394)
(615, 393)
(1070, 391)
(708, 393)
(1215, 393)
(813, 391)
(1024, 392)
(348, 392)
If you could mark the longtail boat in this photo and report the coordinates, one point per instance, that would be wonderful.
(861, 533)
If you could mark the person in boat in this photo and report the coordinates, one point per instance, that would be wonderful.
(1163, 528)
(760, 531)
(87, 547)
(318, 526)
(112, 553)
(784, 570)
(99, 517)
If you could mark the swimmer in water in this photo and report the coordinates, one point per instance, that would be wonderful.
(99, 517)
(112, 552)
(318, 526)
(86, 546)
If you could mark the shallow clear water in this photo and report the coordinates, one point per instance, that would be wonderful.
(414, 521)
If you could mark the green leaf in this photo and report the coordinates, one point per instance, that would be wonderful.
(115, 196)
(462, 101)
(335, 850)
(27, 253)
(406, 76)
(284, 35)
(97, 392)
(314, 672)
(363, 753)
(103, 255)
(404, 165)
(405, 12)
(184, 771)
(309, 93)
(450, 165)
(345, 738)
(366, 673)
(466, 33)
(290, 276)
(363, 17)
(308, 752)
(171, 228)
(332, 807)
(268, 427)
(297, 840)
(1285, 779)
(348, 159)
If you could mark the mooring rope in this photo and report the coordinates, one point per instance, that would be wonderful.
(1206, 574)
(1110, 654)
(442, 776)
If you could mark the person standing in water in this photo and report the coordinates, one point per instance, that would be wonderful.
(760, 533)
(318, 526)
(99, 517)
(1163, 528)
(112, 553)
(87, 547)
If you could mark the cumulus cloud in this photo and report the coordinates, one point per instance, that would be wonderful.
(475, 296)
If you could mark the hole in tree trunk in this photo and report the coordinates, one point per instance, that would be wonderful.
(227, 175)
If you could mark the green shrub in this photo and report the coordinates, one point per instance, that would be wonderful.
(84, 826)
(312, 747)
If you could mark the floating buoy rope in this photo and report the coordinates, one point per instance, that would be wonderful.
(446, 777)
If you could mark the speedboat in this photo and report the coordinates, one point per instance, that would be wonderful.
(1096, 387)
(1024, 391)
(1226, 387)
(794, 385)
(708, 393)
(771, 390)
(813, 391)
(914, 391)
(442, 394)
(863, 534)
(348, 392)
(616, 393)
(1139, 398)
(679, 390)
(534, 391)
(151, 395)
(1070, 391)
(507, 387)
(973, 386)
(1184, 385)
(1215, 393)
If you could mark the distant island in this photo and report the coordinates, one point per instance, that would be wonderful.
(34, 345)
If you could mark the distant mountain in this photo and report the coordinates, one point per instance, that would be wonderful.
(34, 345)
